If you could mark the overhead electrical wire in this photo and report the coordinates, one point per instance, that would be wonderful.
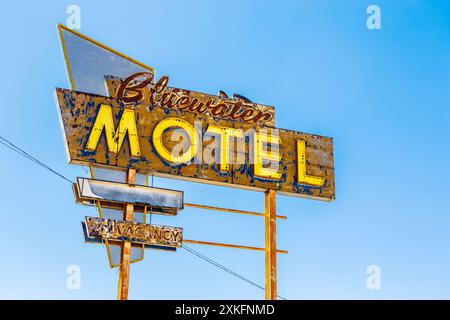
(22, 152)
(25, 154)
(234, 273)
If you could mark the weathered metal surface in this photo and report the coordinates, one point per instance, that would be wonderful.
(123, 193)
(119, 206)
(90, 240)
(271, 245)
(157, 94)
(117, 230)
(79, 113)
(98, 227)
(124, 272)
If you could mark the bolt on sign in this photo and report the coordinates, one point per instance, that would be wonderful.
(174, 132)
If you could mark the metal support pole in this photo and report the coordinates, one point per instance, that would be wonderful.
(271, 245)
(125, 255)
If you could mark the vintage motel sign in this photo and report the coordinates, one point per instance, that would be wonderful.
(108, 131)
(138, 246)
(118, 115)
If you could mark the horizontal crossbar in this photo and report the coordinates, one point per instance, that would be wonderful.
(227, 245)
(252, 213)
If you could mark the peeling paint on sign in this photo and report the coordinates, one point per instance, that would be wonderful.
(303, 169)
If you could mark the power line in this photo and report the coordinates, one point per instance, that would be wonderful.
(23, 153)
(237, 275)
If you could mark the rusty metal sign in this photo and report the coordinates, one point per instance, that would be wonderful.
(141, 209)
(107, 229)
(107, 191)
(118, 243)
(184, 144)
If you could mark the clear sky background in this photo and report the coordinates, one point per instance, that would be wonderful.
(383, 95)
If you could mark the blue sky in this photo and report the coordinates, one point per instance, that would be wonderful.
(381, 94)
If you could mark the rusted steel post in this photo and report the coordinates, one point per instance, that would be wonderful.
(271, 245)
(125, 256)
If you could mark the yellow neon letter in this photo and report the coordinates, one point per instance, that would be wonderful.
(302, 177)
(260, 154)
(162, 150)
(114, 138)
(225, 134)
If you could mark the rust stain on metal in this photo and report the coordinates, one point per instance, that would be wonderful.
(107, 229)
(139, 88)
(270, 245)
(79, 111)
(125, 255)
